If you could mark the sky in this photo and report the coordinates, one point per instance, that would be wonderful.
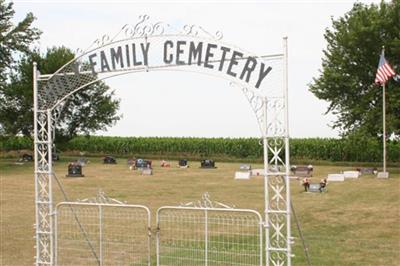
(190, 104)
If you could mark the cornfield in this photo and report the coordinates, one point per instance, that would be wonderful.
(349, 149)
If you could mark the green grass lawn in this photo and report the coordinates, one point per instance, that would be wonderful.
(357, 222)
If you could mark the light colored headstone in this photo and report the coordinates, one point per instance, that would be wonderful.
(274, 168)
(245, 167)
(351, 174)
(314, 188)
(147, 171)
(257, 172)
(242, 175)
(335, 178)
(383, 175)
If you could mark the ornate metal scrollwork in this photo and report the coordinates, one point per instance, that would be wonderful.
(275, 110)
(145, 28)
(102, 198)
(196, 30)
(206, 202)
(256, 102)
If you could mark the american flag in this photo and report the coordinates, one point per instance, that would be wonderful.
(385, 71)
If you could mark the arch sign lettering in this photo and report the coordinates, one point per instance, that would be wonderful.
(157, 46)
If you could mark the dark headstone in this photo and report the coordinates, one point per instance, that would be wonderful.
(27, 158)
(141, 164)
(368, 170)
(302, 170)
(109, 160)
(207, 164)
(183, 163)
(75, 170)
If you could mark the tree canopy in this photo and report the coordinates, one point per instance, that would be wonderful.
(87, 111)
(84, 112)
(349, 66)
(13, 38)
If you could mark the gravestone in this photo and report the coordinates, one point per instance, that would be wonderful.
(383, 175)
(351, 174)
(368, 170)
(207, 164)
(109, 160)
(82, 161)
(302, 170)
(257, 172)
(147, 171)
(142, 164)
(314, 188)
(335, 178)
(245, 167)
(27, 158)
(242, 175)
(183, 163)
(74, 170)
(274, 168)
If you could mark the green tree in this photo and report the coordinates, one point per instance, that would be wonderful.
(85, 112)
(350, 64)
(13, 38)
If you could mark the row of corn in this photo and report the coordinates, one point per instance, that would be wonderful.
(348, 149)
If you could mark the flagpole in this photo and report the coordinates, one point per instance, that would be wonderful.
(384, 118)
(383, 74)
(384, 128)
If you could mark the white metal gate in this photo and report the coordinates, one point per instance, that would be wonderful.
(102, 234)
(209, 236)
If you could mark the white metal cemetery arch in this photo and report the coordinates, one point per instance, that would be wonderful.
(149, 46)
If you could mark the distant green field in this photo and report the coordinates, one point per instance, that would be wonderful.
(355, 223)
(352, 149)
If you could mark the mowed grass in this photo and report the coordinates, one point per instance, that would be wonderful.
(357, 222)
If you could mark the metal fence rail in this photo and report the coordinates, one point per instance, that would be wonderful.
(208, 236)
(102, 234)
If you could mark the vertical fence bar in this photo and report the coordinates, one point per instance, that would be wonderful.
(55, 237)
(261, 241)
(49, 180)
(158, 239)
(100, 235)
(205, 237)
(36, 153)
(149, 237)
(287, 154)
(266, 185)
